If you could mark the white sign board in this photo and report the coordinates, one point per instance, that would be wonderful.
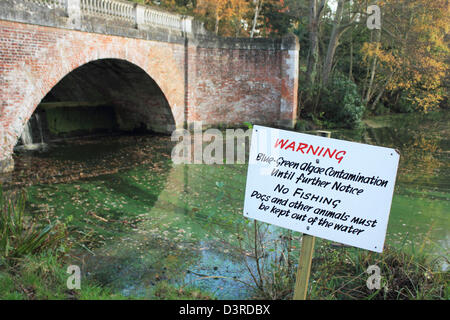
(333, 189)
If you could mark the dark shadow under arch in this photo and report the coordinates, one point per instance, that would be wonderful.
(119, 91)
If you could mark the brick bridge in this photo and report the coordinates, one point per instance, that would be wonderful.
(158, 69)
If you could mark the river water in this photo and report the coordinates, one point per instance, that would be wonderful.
(137, 220)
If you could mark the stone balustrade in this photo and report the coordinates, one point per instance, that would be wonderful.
(50, 3)
(109, 9)
(140, 15)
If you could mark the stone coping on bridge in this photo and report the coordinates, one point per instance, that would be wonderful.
(288, 42)
(126, 19)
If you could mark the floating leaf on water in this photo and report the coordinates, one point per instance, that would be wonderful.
(219, 184)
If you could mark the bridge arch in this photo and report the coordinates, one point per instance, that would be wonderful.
(136, 100)
(32, 78)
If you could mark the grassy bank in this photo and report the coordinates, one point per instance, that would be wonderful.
(342, 273)
(34, 255)
(338, 272)
(43, 276)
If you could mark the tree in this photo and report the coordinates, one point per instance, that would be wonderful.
(224, 17)
(339, 27)
(276, 18)
(258, 5)
(409, 58)
(239, 10)
(316, 9)
(213, 12)
(176, 6)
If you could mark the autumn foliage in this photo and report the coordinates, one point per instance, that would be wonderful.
(405, 63)
(224, 16)
(412, 52)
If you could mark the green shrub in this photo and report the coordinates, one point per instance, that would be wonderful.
(341, 273)
(403, 105)
(341, 103)
(19, 235)
(303, 125)
(43, 276)
(380, 109)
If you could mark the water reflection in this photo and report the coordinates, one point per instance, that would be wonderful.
(174, 240)
(419, 218)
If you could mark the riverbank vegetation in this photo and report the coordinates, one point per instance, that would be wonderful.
(342, 273)
(352, 62)
(339, 272)
(32, 266)
(33, 258)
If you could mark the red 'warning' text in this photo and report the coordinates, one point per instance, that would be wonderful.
(310, 149)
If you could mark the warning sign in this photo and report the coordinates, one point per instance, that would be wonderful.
(333, 189)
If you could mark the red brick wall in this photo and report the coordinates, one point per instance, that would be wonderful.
(233, 86)
(34, 58)
(249, 84)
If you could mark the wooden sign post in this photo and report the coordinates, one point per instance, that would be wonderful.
(304, 267)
